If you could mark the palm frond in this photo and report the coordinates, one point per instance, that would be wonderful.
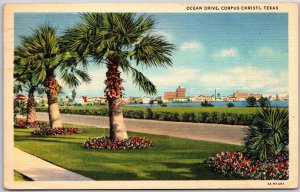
(140, 80)
(153, 51)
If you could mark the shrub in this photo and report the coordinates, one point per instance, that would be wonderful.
(55, 131)
(232, 119)
(135, 114)
(106, 143)
(230, 104)
(201, 117)
(165, 116)
(206, 104)
(188, 117)
(242, 165)
(264, 102)
(148, 114)
(212, 117)
(251, 102)
(221, 118)
(269, 135)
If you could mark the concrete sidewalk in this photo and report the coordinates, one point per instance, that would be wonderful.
(40, 170)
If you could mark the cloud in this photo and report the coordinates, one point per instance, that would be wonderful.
(226, 53)
(174, 76)
(245, 78)
(191, 46)
(266, 51)
(95, 88)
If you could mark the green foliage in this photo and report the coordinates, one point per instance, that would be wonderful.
(41, 53)
(167, 114)
(135, 114)
(119, 39)
(160, 102)
(151, 102)
(251, 102)
(230, 104)
(19, 108)
(206, 104)
(148, 113)
(264, 102)
(269, 135)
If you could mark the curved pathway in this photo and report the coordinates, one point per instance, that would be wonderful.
(230, 134)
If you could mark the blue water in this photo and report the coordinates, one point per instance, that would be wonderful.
(215, 103)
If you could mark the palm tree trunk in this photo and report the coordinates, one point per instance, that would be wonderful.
(113, 93)
(52, 89)
(31, 114)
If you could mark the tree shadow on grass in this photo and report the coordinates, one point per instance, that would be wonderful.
(174, 171)
(46, 139)
(108, 175)
(193, 171)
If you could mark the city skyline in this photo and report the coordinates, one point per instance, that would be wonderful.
(213, 51)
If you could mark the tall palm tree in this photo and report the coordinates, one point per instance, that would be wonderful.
(119, 40)
(25, 80)
(42, 51)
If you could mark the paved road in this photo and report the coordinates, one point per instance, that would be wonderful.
(231, 134)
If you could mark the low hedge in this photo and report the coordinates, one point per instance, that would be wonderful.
(200, 117)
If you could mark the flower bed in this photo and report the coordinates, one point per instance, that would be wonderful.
(106, 143)
(56, 131)
(25, 124)
(240, 165)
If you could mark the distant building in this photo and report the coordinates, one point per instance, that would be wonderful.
(85, 98)
(41, 99)
(228, 99)
(21, 97)
(202, 98)
(126, 100)
(79, 101)
(65, 99)
(170, 95)
(146, 100)
(179, 94)
(243, 96)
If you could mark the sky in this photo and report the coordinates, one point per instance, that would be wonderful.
(224, 51)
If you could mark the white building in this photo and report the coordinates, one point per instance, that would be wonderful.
(40, 99)
(79, 100)
(146, 100)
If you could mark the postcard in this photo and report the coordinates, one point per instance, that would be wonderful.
(151, 96)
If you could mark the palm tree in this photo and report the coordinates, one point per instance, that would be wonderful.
(42, 51)
(251, 101)
(119, 40)
(264, 102)
(25, 79)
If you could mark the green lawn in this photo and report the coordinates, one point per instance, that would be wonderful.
(19, 177)
(170, 158)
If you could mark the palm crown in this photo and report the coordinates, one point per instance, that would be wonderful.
(42, 52)
(118, 38)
